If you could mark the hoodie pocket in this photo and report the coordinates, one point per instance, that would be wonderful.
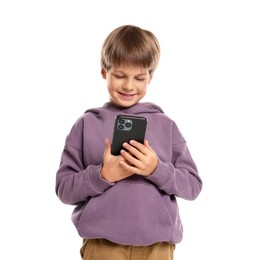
(167, 209)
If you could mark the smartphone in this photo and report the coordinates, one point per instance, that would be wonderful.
(126, 128)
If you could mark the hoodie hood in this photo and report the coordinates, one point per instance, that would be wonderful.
(139, 108)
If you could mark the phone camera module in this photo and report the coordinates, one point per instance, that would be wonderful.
(124, 124)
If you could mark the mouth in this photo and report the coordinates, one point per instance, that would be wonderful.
(126, 95)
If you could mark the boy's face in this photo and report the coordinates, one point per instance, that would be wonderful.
(126, 85)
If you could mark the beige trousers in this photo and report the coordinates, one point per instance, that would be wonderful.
(102, 249)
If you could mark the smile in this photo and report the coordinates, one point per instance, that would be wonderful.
(126, 95)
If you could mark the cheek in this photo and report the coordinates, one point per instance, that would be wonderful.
(112, 83)
(143, 88)
(144, 91)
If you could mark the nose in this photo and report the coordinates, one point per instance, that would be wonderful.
(127, 86)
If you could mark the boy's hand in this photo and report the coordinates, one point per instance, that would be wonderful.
(139, 158)
(113, 170)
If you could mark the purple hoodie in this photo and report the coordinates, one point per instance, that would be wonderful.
(137, 210)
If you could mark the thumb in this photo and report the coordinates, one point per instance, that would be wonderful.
(107, 146)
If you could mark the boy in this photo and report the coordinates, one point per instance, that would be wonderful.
(126, 205)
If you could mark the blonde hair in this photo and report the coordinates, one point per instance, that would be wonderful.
(130, 45)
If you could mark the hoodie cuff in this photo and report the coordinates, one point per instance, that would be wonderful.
(97, 183)
(162, 174)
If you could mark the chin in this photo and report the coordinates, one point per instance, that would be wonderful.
(124, 103)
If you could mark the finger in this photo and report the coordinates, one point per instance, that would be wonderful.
(146, 144)
(129, 157)
(107, 146)
(133, 150)
(130, 168)
(139, 146)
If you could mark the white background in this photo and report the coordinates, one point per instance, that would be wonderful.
(50, 74)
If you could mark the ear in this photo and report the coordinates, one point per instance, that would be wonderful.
(103, 73)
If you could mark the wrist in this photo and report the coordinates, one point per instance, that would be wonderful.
(105, 176)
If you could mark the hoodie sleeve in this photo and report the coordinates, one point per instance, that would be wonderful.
(76, 182)
(179, 176)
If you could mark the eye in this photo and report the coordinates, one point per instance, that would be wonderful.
(119, 76)
(140, 79)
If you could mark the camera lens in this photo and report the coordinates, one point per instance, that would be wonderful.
(128, 125)
(121, 121)
(120, 127)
